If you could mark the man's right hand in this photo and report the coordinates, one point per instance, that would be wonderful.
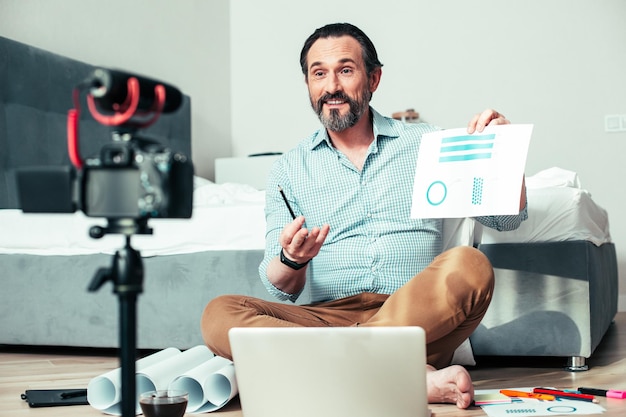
(300, 245)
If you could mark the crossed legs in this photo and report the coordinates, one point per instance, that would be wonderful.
(448, 299)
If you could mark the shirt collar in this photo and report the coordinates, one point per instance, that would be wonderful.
(382, 127)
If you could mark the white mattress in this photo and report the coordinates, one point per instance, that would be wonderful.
(559, 209)
(231, 217)
(225, 217)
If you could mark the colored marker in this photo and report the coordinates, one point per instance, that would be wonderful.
(609, 393)
(565, 394)
(523, 394)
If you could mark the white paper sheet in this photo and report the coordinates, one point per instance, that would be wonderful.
(460, 175)
(530, 407)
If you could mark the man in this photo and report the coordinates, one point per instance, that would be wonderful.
(338, 215)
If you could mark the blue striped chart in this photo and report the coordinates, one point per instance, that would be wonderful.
(466, 148)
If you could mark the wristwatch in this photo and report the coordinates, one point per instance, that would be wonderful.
(291, 264)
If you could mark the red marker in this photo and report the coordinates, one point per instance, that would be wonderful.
(565, 394)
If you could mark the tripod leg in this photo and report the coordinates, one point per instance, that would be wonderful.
(128, 335)
(127, 286)
(127, 276)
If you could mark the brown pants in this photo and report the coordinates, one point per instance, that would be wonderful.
(448, 299)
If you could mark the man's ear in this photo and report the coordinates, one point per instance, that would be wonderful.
(375, 79)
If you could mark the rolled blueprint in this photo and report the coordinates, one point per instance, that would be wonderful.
(210, 385)
(104, 392)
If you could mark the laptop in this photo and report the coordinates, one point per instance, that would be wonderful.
(331, 372)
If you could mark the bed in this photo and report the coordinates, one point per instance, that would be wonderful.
(49, 260)
(561, 285)
(556, 275)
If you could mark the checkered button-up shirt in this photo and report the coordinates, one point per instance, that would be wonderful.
(374, 245)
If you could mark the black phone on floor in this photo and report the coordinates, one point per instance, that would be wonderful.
(55, 397)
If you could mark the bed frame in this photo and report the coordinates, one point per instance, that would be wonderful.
(550, 299)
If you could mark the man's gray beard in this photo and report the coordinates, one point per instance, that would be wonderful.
(337, 123)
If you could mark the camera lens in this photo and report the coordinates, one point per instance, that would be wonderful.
(116, 156)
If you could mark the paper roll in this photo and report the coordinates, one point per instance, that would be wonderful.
(104, 392)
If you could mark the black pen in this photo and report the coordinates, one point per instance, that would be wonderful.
(74, 393)
(293, 215)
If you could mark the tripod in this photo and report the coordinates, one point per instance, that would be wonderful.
(126, 273)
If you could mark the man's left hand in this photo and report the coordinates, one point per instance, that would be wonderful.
(486, 118)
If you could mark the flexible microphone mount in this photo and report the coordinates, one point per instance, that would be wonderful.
(110, 90)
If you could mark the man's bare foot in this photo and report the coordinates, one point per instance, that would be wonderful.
(450, 385)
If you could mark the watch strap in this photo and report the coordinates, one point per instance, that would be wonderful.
(291, 264)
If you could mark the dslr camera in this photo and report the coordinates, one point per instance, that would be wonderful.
(132, 177)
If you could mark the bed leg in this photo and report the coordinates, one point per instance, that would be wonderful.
(576, 364)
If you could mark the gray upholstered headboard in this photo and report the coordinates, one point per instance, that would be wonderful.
(35, 95)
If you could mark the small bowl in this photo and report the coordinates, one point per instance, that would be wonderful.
(163, 403)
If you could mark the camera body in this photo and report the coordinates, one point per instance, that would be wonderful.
(138, 179)
(132, 178)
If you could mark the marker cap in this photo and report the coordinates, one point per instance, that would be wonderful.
(616, 394)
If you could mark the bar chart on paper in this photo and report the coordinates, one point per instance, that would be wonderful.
(462, 175)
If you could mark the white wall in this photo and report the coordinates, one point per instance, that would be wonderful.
(558, 64)
(184, 43)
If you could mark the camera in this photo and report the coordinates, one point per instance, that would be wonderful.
(130, 180)
(137, 178)
(131, 177)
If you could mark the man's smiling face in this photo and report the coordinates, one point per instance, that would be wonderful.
(339, 87)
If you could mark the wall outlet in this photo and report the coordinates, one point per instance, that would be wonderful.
(615, 123)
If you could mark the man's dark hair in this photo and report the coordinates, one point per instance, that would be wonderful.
(336, 30)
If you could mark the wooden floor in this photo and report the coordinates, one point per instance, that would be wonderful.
(46, 368)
